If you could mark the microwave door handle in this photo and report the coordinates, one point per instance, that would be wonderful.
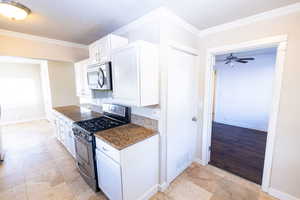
(103, 77)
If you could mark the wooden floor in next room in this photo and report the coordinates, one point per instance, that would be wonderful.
(239, 150)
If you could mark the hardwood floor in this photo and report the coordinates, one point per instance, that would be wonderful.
(239, 150)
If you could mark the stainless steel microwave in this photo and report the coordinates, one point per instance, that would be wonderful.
(99, 76)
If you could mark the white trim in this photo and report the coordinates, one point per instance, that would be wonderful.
(22, 121)
(149, 193)
(281, 195)
(250, 45)
(41, 39)
(183, 48)
(199, 161)
(252, 19)
(280, 42)
(162, 187)
(280, 60)
(157, 15)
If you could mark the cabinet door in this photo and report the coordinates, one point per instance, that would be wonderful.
(125, 76)
(109, 176)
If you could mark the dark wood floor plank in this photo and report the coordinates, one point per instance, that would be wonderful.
(239, 150)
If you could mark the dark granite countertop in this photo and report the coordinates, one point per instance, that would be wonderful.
(126, 135)
(76, 113)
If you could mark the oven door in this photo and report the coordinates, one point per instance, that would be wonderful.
(85, 157)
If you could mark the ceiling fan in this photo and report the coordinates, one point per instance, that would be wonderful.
(231, 59)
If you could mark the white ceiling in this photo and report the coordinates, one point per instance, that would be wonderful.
(84, 21)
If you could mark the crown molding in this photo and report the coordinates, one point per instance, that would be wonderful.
(41, 39)
(158, 15)
(12, 59)
(252, 19)
(169, 16)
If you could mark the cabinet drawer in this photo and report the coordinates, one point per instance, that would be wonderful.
(108, 150)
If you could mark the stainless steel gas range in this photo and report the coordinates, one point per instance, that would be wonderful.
(113, 116)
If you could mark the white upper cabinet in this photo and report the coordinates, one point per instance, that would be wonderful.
(82, 88)
(100, 50)
(136, 74)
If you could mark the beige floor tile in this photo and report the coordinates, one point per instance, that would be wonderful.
(264, 196)
(38, 191)
(187, 190)
(228, 190)
(160, 196)
(78, 186)
(10, 181)
(90, 195)
(62, 192)
(203, 177)
(15, 193)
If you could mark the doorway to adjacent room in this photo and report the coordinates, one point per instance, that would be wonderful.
(278, 43)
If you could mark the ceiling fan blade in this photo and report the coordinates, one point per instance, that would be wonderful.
(241, 61)
(246, 58)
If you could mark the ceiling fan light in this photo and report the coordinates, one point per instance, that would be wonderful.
(13, 10)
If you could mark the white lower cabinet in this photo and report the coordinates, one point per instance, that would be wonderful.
(131, 173)
(64, 132)
(109, 176)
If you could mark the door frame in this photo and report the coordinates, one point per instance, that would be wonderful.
(171, 44)
(45, 84)
(279, 42)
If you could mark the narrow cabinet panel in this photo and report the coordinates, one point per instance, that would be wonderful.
(109, 176)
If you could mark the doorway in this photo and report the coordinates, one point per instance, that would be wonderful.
(25, 90)
(278, 42)
(242, 98)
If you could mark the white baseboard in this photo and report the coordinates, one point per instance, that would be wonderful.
(162, 187)
(148, 194)
(281, 195)
(199, 161)
(22, 121)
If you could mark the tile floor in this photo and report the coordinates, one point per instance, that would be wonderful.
(37, 167)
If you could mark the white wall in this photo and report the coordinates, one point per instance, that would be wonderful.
(20, 92)
(62, 83)
(244, 92)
